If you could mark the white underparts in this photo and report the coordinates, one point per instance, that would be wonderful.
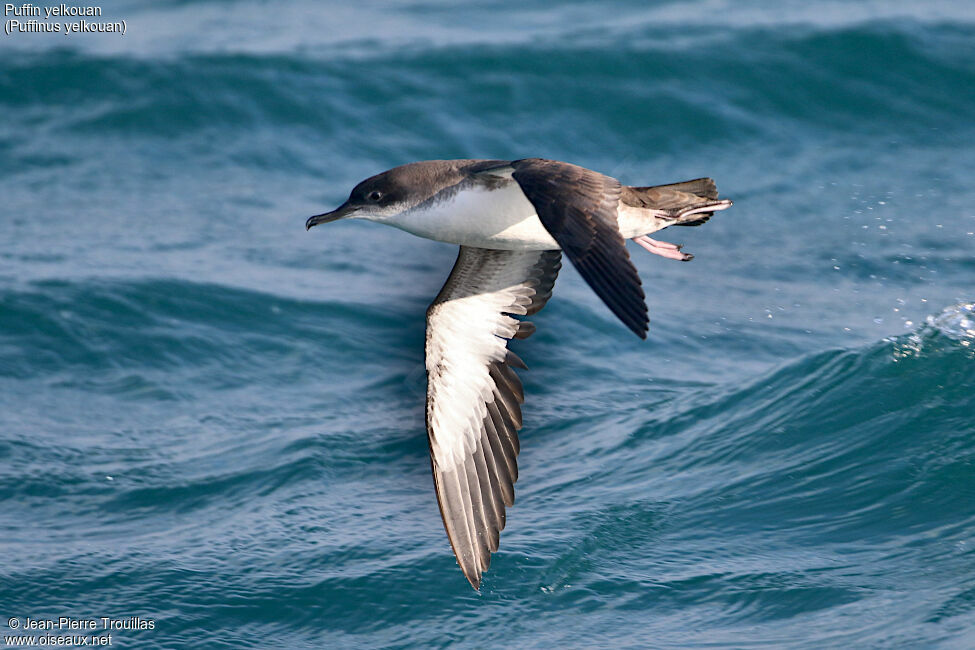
(499, 218)
(502, 219)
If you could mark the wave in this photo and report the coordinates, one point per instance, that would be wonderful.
(752, 80)
(822, 485)
(114, 335)
(760, 502)
(98, 324)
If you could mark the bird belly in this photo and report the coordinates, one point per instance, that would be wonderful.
(499, 218)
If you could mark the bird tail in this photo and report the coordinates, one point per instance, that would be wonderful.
(690, 203)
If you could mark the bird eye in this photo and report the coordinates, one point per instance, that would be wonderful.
(375, 195)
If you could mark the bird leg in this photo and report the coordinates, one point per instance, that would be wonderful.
(664, 249)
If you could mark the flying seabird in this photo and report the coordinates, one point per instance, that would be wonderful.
(512, 220)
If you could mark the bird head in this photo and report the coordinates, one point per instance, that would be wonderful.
(378, 198)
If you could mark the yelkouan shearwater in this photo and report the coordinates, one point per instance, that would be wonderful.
(512, 220)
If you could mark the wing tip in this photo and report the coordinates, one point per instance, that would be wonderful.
(640, 329)
(637, 321)
(474, 579)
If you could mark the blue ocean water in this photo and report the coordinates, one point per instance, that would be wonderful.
(213, 420)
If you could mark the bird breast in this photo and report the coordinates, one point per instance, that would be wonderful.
(500, 218)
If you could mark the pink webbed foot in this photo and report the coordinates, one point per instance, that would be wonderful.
(663, 249)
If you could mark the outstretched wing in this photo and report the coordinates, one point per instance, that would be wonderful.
(473, 394)
(578, 207)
